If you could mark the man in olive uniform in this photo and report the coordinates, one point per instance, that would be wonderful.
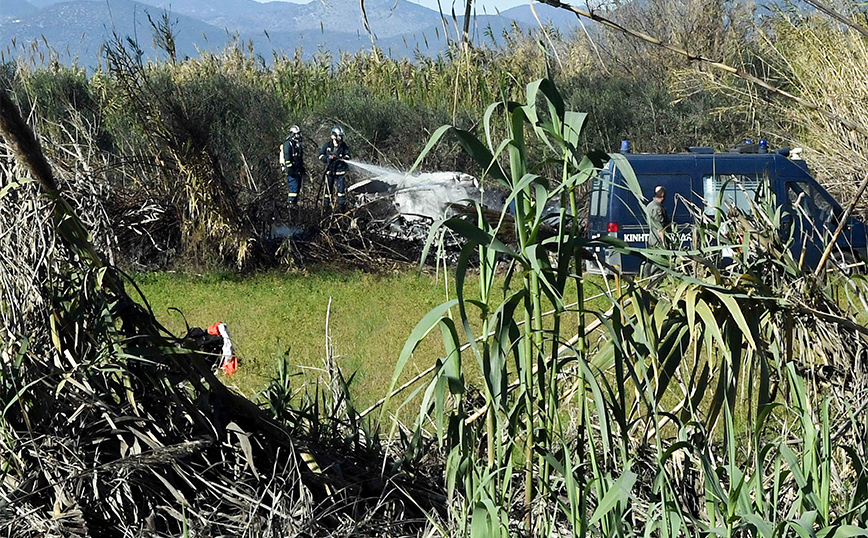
(658, 224)
(292, 163)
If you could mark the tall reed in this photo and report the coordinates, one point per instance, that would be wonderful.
(681, 417)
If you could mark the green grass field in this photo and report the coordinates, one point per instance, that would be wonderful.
(267, 314)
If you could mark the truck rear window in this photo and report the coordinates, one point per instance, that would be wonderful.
(723, 191)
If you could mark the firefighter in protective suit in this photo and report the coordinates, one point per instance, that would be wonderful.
(334, 154)
(292, 163)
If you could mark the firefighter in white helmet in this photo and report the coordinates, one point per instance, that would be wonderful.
(334, 154)
(292, 163)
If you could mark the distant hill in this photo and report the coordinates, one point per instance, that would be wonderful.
(561, 19)
(331, 15)
(10, 9)
(77, 29)
(204, 10)
(35, 3)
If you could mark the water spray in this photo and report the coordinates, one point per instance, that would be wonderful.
(389, 175)
(426, 194)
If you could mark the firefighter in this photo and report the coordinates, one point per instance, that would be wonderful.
(334, 155)
(292, 163)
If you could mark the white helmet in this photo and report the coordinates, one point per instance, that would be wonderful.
(295, 132)
(338, 132)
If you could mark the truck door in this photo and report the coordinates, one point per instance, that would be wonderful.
(615, 210)
(598, 208)
(811, 219)
(632, 222)
(679, 193)
(812, 216)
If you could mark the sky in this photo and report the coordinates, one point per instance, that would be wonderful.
(491, 6)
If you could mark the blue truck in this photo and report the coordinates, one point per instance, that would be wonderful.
(703, 177)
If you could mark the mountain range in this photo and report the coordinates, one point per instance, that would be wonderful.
(76, 30)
